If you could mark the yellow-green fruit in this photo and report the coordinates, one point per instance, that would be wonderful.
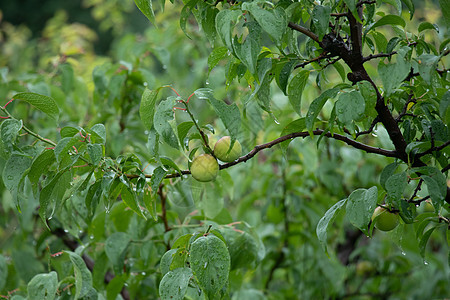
(223, 145)
(204, 168)
(428, 206)
(364, 268)
(384, 220)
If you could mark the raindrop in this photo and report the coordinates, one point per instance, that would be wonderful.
(143, 273)
(206, 264)
(49, 218)
(403, 252)
(91, 237)
(66, 231)
(145, 83)
(207, 82)
(425, 262)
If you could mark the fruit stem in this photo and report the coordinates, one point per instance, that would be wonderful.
(202, 134)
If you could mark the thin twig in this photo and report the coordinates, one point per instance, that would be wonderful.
(372, 126)
(304, 30)
(372, 56)
(432, 149)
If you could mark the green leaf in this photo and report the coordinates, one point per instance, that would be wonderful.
(350, 107)
(388, 20)
(183, 129)
(248, 52)
(145, 6)
(95, 152)
(387, 172)
(229, 114)
(149, 200)
(224, 25)
(273, 21)
(243, 249)
(316, 106)
(49, 194)
(40, 165)
(395, 185)
(216, 56)
(295, 90)
(321, 19)
(158, 175)
(98, 132)
(210, 262)
(393, 74)
(185, 13)
(43, 103)
(130, 199)
(427, 25)
(147, 107)
(115, 286)
(436, 189)
(445, 9)
(424, 240)
(115, 248)
(410, 5)
(360, 207)
(14, 170)
(427, 66)
(174, 284)
(43, 286)
(166, 260)
(9, 130)
(325, 222)
(83, 277)
(283, 72)
(162, 122)
(3, 272)
(295, 126)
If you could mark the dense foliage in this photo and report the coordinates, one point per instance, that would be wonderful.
(341, 109)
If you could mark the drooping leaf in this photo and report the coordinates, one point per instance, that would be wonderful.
(162, 122)
(83, 277)
(325, 222)
(145, 6)
(317, 105)
(360, 206)
(273, 21)
(148, 107)
(43, 103)
(43, 286)
(210, 262)
(321, 18)
(216, 56)
(174, 284)
(224, 25)
(115, 247)
(9, 130)
(295, 90)
(350, 107)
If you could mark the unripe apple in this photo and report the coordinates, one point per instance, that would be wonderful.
(384, 219)
(221, 150)
(204, 168)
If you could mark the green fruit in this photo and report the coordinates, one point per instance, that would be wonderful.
(204, 168)
(427, 207)
(222, 150)
(384, 220)
(364, 268)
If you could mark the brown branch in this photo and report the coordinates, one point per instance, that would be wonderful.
(372, 56)
(432, 149)
(372, 126)
(318, 58)
(304, 30)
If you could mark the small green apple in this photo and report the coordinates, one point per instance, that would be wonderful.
(223, 145)
(204, 168)
(384, 219)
